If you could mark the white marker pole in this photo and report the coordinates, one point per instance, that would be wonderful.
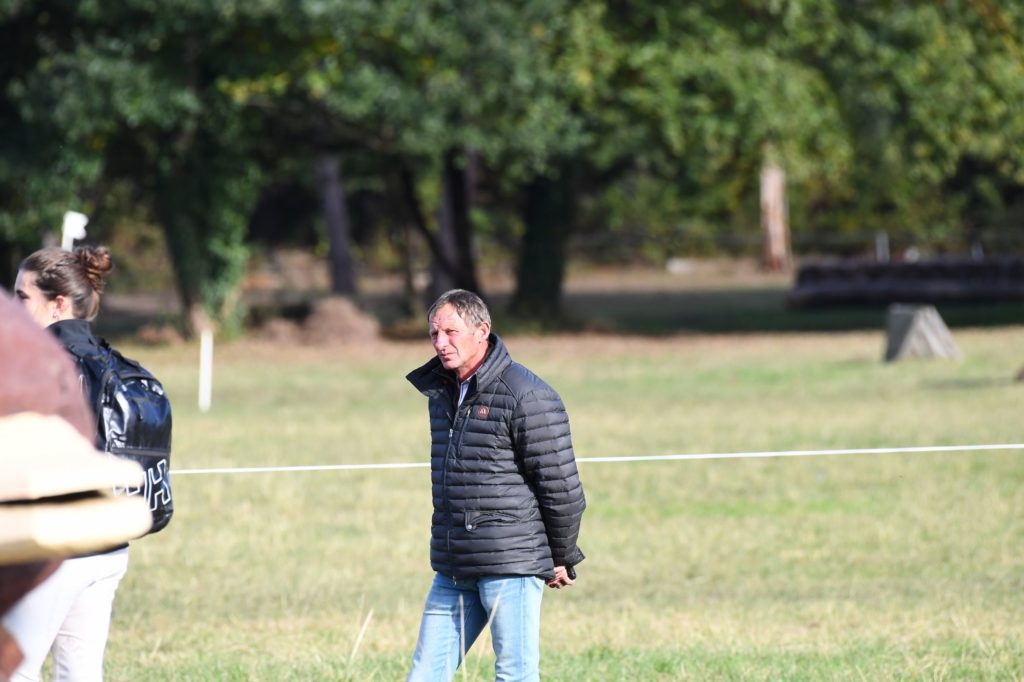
(73, 228)
(205, 370)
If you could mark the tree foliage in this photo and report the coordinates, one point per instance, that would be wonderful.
(644, 123)
(128, 91)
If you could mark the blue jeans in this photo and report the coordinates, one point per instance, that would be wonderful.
(456, 613)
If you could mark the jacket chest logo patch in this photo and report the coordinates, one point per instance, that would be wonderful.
(482, 411)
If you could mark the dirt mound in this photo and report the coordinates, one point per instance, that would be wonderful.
(338, 319)
(331, 319)
(159, 335)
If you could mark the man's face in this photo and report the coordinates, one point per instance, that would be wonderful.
(38, 306)
(461, 348)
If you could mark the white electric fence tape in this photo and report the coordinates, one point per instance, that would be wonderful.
(636, 458)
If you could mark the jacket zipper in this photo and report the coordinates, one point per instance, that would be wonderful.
(444, 487)
(444, 477)
(453, 441)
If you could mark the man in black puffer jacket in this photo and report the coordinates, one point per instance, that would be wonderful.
(507, 496)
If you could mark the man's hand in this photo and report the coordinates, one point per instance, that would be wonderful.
(561, 578)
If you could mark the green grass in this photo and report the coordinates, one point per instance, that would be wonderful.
(868, 567)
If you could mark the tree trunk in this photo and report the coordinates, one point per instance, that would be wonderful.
(339, 226)
(455, 230)
(183, 243)
(457, 194)
(177, 190)
(453, 264)
(444, 270)
(410, 302)
(774, 219)
(419, 220)
(548, 210)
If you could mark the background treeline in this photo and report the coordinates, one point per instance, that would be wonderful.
(426, 134)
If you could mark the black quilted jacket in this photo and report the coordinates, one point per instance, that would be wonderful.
(507, 495)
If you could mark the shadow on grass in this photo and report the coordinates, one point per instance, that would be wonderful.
(649, 312)
(739, 310)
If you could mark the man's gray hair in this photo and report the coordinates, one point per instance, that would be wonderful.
(468, 305)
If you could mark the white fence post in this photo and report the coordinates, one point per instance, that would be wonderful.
(205, 370)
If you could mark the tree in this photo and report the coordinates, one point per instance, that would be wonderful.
(39, 177)
(548, 212)
(926, 92)
(643, 123)
(441, 90)
(339, 230)
(129, 92)
(679, 97)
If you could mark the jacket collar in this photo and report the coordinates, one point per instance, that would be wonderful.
(432, 377)
(72, 333)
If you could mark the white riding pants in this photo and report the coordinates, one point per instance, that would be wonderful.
(68, 615)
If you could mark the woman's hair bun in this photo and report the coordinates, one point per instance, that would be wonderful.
(96, 263)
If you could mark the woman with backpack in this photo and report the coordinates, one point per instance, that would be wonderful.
(69, 615)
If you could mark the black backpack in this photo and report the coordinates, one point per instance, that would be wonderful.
(133, 421)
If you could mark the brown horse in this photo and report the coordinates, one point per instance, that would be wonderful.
(38, 377)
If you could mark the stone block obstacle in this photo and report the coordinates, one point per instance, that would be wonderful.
(917, 331)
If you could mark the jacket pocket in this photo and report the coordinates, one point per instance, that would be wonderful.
(475, 519)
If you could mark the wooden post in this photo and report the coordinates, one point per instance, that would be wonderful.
(774, 218)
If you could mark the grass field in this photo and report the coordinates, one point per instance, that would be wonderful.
(860, 567)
